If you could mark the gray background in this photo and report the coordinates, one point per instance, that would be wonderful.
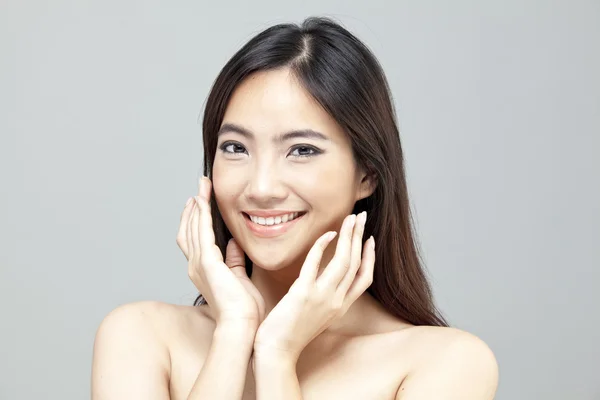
(100, 148)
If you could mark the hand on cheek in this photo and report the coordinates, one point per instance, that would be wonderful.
(314, 301)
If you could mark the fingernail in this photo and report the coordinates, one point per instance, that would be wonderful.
(353, 220)
(202, 188)
(363, 216)
(331, 235)
(189, 201)
(372, 242)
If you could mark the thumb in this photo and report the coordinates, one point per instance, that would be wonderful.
(235, 258)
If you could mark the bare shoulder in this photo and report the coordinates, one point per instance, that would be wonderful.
(448, 363)
(131, 348)
(152, 323)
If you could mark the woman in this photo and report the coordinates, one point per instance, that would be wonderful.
(301, 246)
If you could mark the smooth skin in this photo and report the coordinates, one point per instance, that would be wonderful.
(310, 305)
(303, 326)
(140, 349)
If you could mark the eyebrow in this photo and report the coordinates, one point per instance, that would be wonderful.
(295, 134)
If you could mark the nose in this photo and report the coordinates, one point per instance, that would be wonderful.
(265, 188)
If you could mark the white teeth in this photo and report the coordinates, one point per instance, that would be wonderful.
(273, 220)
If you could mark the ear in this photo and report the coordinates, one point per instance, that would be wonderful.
(367, 185)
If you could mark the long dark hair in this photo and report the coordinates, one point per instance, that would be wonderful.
(342, 74)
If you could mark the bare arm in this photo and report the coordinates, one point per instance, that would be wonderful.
(276, 378)
(310, 306)
(131, 361)
(223, 375)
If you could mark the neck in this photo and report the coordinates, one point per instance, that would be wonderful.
(273, 285)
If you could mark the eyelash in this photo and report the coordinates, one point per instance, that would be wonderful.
(313, 149)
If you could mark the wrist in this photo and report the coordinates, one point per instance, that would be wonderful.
(274, 357)
(240, 332)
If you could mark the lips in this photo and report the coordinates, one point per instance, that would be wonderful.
(274, 220)
(274, 229)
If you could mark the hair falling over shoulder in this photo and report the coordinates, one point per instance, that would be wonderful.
(346, 79)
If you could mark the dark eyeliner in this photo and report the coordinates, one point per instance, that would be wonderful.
(228, 143)
(315, 151)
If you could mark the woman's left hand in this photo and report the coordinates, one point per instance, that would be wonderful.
(312, 303)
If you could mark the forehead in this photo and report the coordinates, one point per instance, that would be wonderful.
(271, 102)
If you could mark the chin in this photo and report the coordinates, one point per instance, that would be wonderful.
(272, 258)
(278, 247)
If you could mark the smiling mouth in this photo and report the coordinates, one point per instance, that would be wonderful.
(274, 221)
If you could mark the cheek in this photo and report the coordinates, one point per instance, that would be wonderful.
(329, 186)
(225, 185)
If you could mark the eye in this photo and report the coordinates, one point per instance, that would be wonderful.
(305, 151)
(232, 148)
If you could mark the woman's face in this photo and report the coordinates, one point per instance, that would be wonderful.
(283, 172)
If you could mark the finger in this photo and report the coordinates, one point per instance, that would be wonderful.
(188, 231)
(194, 233)
(235, 258)
(337, 268)
(207, 237)
(204, 188)
(182, 232)
(356, 253)
(187, 208)
(310, 268)
(364, 276)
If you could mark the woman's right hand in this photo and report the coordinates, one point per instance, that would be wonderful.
(231, 295)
